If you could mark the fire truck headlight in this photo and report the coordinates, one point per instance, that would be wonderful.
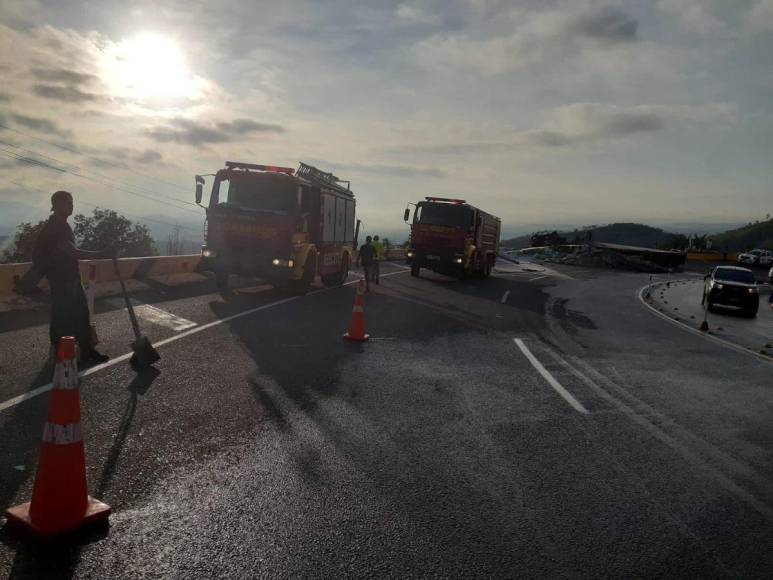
(411, 254)
(290, 263)
(280, 262)
(275, 261)
(459, 260)
(207, 253)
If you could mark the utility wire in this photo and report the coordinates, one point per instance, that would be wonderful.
(107, 182)
(80, 172)
(37, 190)
(76, 152)
(177, 199)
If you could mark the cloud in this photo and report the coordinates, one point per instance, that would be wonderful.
(189, 132)
(583, 123)
(696, 16)
(386, 170)
(760, 17)
(534, 37)
(60, 75)
(148, 156)
(39, 124)
(414, 14)
(608, 24)
(68, 94)
(594, 121)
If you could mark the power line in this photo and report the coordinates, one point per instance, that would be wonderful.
(76, 152)
(106, 181)
(37, 190)
(80, 172)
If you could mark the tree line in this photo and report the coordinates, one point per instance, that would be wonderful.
(104, 229)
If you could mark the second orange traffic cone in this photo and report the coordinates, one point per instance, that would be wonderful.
(356, 330)
(60, 500)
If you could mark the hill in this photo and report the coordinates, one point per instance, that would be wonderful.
(752, 235)
(631, 234)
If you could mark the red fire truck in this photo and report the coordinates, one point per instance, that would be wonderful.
(279, 224)
(452, 237)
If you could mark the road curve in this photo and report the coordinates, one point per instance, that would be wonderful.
(264, 445)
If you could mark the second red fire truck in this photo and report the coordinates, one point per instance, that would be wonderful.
(450, 236)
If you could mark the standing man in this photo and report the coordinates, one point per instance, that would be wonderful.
(366, 257)
(56, 256)
(378, 248)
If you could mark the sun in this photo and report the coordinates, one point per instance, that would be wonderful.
(149, 67)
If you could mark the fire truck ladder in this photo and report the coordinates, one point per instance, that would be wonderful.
(320, 177)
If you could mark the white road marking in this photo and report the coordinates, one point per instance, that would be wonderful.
(568, 397)
(538, 278)
(156, 315)
(723, 342)
(12, 402)
(504, 296)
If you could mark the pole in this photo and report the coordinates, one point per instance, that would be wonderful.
(91, 288)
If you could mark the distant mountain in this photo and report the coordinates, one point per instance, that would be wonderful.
(752, 235)
(699, 228)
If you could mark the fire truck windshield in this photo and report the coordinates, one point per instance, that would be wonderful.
(444, 214)
(265, 194)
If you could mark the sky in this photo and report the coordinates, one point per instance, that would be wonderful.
(541, 112)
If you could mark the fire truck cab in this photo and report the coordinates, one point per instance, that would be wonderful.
(279, 224)
(450, 236)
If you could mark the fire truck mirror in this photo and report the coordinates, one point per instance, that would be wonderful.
(199, 188)
(407, 214)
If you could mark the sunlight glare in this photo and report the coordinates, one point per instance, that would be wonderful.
(149, 67)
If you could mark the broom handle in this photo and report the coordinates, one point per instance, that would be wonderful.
(132, 317)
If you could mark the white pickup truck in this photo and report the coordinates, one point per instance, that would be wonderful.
(756, 258)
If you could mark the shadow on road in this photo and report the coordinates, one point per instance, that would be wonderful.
(56, 559)
(139, 386)
(21, 434)
(385, 415)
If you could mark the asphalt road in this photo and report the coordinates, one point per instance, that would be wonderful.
(540, 423)
(681, 300)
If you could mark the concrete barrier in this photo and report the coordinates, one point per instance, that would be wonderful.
(130, 268)
(712, 256)
(395, 254)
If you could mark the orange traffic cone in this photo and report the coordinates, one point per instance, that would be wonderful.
(356, 330)
(60, 500)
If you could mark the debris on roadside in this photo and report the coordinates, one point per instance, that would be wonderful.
(589, 256)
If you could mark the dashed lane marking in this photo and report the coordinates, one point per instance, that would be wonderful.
(504, 296)
(538, 278)
(557, 387)
(12, 402)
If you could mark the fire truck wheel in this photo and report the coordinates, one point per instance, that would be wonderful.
(309, 271)
(339, 277)
(221, 278)
(415, 270)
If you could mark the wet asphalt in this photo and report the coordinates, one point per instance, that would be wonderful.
(266, 446)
